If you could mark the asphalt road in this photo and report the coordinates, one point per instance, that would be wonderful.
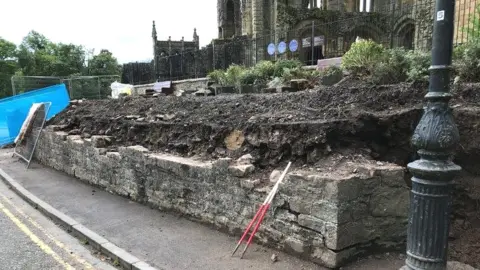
(30, 241)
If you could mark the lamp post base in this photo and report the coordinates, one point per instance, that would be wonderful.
(451, 265)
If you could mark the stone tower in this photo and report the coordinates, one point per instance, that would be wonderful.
(155, 52)
(229, 17)
(196, 38)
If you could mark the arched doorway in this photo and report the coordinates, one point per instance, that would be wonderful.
(406, 36)
(229, 28)
(311, 52)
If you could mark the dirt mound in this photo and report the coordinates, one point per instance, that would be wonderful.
(351, 120)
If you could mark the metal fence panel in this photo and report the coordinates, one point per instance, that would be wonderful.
(25, 147)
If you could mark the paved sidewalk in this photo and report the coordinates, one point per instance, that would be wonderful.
(162, 240)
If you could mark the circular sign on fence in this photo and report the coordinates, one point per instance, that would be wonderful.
(282, 47)
(293, 46)
(271, 49)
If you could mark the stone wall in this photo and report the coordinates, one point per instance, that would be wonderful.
(183, 85)
(328, 217)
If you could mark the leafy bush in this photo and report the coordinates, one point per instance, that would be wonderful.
(392, 67)
(458, 52)
(282, 65)
(330, 71)
(418, 65)
(247, 77)
(467, 62)
(217, 76)
(384, 66)
(264, 70)
(233, 75)
(289, 74)
(363, 57)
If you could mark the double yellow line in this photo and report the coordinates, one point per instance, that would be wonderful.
(42, 245)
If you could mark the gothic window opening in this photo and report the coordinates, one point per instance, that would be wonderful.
(315, 4)
(229, 29)
(406, 36)
(366, 5)
(220, 32)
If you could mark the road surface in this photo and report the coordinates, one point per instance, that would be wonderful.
(30, 241)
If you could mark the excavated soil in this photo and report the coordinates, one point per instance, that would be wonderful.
(349, 121)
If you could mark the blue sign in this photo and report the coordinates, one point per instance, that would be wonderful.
(282, 47)
(293, 45)
(271, 49)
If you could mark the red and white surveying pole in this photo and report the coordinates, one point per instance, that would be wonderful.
(260, 214)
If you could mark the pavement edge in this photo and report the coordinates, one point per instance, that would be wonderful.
(125, 259)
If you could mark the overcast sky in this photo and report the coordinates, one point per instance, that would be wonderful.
(124, 28)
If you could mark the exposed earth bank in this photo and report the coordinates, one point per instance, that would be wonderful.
(313, 128)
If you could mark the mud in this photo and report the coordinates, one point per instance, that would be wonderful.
(350, 121)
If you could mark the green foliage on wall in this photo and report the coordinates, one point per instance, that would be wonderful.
(338, 21)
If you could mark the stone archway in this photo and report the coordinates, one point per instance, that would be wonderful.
(364, 31)
(310, 55)
(405, 34)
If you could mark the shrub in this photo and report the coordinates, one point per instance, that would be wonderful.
(392, 67)
(248, 76)
(362, 57)
(233, 75)
(458, 52)
(331, 71)
(264, 70)
(217, 76)
(467, 62)
(289, 74)
(281, 65)
(419, 63)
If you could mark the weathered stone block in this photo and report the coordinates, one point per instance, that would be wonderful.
(312, 223)
(241, 170)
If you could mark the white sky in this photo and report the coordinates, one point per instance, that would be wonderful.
(124, 28)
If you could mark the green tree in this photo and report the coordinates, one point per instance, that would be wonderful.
(35, 55)
(104, 63)
(69, 59)
(38, 56)
(7, 49)
(8, 66)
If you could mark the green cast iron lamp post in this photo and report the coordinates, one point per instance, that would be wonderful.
(435, 137)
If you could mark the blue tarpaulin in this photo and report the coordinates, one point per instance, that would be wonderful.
(14, 110)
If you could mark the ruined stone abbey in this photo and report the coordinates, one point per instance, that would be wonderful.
(247, 27)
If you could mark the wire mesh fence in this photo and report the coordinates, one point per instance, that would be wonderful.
(31, 131)
(24, 84)
(322, 30)
(88, 87)
(5, 86)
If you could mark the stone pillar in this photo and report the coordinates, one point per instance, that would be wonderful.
(257, 29)
(423, 16)
(247, 18)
